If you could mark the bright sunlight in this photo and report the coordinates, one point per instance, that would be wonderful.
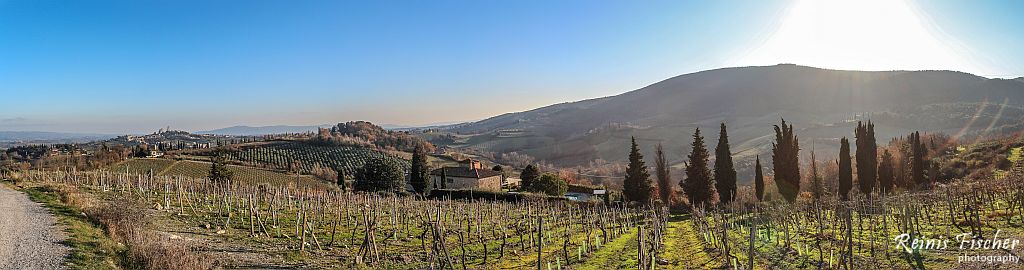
(861, 35)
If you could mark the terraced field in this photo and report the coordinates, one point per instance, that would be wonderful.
(199, 169)
(304, 157)
(142, 165)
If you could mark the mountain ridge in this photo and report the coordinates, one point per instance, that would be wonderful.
(821, 103)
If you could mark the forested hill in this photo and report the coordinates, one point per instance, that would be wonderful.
(822, 104)
(366, 133)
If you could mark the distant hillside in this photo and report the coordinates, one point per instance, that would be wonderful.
(281, 129)
(7, 136)
(822, 104)
(262, 130)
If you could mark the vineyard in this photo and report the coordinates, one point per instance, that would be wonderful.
(304, 157)
(198, 169)
(865, 233)
(323, 228)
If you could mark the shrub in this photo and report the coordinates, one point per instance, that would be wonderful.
(380, 174)
(550, 184)
(126, 221)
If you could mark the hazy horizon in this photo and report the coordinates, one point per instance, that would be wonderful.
(114, 67)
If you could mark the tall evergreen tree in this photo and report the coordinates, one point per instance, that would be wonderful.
(698, 185)
(845, 170)
(786, 161)
(219, 172)
(637, 186)
(867, 157)
(933, 173)
(758, 179)
(817, 189)
(725, 174)
(419, 177)
(902, 163)
(917, 165)
(886, 173)
(663, 174)
(529, 175)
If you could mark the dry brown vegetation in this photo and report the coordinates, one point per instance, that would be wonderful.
(126, 221)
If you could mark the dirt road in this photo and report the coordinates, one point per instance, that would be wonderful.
(29, 238)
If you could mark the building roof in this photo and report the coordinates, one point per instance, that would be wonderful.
(465, 172)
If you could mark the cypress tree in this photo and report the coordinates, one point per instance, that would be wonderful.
(817, 189)
(725, 174)
(867, 157)
(664, 177)
(886, 173)
(786, 161)
(902, 163)
(419, 178)
(529, 175)
(219, 172)
(933, 173)
(917, 160)
(758, 179)
(845, 170)
(697, 185)
(637, 185)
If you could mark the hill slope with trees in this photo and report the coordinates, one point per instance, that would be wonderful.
(823, 104)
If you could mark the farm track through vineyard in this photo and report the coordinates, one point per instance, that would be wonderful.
(683, 250)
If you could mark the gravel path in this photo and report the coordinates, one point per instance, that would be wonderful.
(29, 238)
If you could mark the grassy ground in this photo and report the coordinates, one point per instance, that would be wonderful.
(91, 248)
(1016, 156)
(683, 249)
(618, 254)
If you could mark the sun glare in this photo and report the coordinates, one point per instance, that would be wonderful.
(861, 35)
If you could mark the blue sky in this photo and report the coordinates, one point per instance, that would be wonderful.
(135, 66)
